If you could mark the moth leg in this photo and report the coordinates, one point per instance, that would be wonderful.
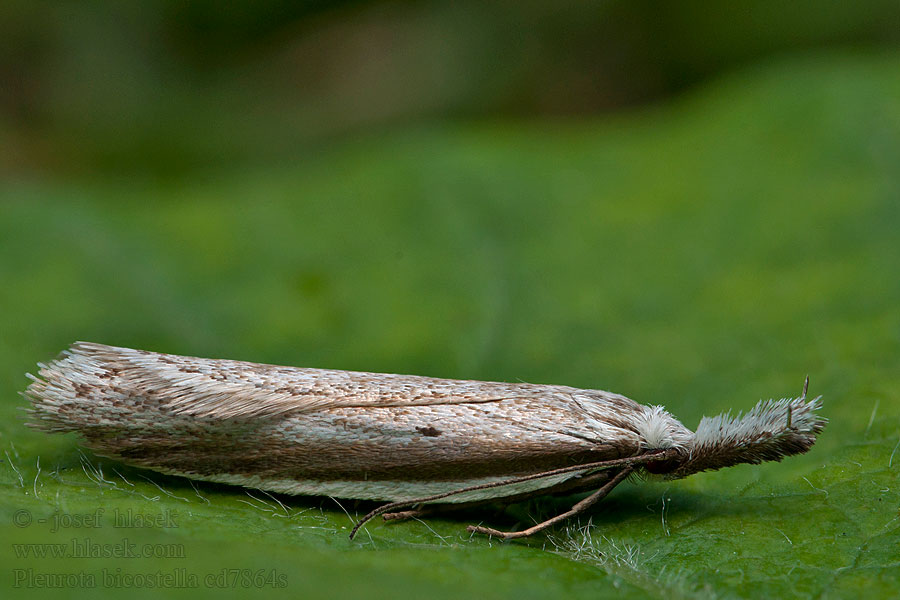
(404, 514)
(424, 511)
(578, 508)
(427, 511)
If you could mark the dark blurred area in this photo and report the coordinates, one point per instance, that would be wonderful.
(166, 87)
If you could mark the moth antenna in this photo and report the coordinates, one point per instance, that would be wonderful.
(629, 461)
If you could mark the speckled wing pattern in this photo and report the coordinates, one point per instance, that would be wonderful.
(338, 433)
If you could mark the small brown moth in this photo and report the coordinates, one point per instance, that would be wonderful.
(413, 441)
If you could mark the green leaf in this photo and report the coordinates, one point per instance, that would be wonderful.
(701, 255)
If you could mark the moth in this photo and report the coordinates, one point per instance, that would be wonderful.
(419, 443)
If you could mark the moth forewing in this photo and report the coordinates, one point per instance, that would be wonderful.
(399, 438)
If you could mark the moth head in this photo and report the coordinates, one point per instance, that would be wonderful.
(771, 430)
(658, 430)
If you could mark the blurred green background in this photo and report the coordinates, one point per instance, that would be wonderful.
(689, 205)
